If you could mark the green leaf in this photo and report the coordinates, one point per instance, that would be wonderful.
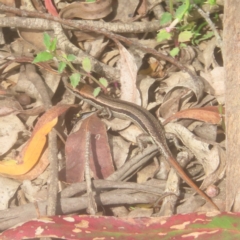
(86, 63)
(174, 52)
(181, 10)
(204, 37)
(90, 1)
(96, 91)
(75, 79)
(47, 40)
(53, 45)
(182, 45)
(163, 35)
(61, 67)
(212, 2)
(43, 57)
(71, 57)
(103, 81)
(165, 18)
(199, 1)
(185, 36)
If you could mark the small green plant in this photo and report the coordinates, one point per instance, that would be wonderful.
(187, 32)
(63, 61)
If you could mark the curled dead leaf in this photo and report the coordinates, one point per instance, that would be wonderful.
(209, 114)
(87, 10)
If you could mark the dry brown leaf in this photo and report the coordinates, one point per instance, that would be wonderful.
(208, 114)
(143, 8)
(100, 159)
(124, 10)
(87, 10)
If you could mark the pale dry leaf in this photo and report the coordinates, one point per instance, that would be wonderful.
(33, 37)
(119, 211)
(10, 127)
(2, 40)
(138, 56)
(117, 124)
(8, 106)
(52, 81)
(208, 53)
(14, 66)
(111, 56)
(34, 192)
(190, 205)
(96, 47)
(151, 43)
(22, 48)
(204, 130)
(172, 105)
(8, 188)
(128, 76)
(27, 5)
(124, 10)
(144, 85)
(187, 55)
(220, 172)
(131, 133)
(120, 149)
(84, 37)
(182, 80)
(216, 79)
(140, 213)
(30, 190)
(24, 85)
(208, 157)
(146, 173)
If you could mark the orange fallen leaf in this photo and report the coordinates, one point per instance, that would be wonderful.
(31, 153)
(39, 168)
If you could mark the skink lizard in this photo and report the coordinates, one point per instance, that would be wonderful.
(142, 118)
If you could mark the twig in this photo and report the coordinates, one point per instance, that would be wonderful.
(43, 24)
(92, 207)
(53, 185)
(133, 164)
(80, 188)
(219, 42)
(13, 216)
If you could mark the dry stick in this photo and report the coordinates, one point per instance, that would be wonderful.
(100, 185)
(15, 215)
(44, 24)
(53, 185)
(100, 31)
(134, 163)
(219, 42)
(92, 206)
(52, 143)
